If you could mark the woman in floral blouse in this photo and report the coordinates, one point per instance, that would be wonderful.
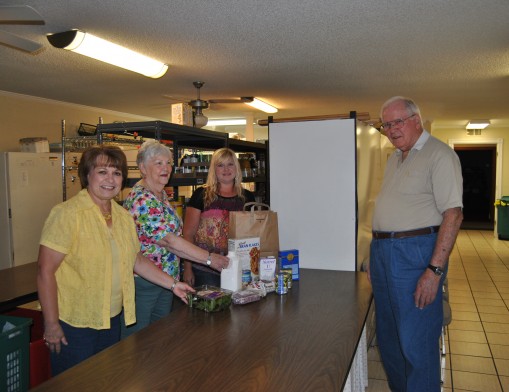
(159, 231)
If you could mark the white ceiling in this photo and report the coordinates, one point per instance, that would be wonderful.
(314, 57)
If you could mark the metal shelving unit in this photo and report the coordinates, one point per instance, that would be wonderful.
(72, 147)
(180, 138)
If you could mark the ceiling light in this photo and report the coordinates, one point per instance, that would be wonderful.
(100, 49)
(200, 120)
(260, 105)
(478, 124)
(227, 121)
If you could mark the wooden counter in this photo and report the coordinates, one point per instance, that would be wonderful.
(18, 285)
(303, 341)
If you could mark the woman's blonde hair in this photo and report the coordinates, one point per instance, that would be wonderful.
(212, 185)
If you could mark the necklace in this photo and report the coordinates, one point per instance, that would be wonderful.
(106, 215)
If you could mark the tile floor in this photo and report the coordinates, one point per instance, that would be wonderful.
(477, 339)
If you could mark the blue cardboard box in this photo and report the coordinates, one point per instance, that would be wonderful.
(290, 259)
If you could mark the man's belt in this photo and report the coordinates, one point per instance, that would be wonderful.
(380, 235)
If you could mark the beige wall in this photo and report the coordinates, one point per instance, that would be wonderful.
(22, 116)
(489, 133)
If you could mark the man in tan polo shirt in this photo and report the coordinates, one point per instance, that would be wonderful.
(417, 217)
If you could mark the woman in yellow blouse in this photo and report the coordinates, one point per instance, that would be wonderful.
(88, 252)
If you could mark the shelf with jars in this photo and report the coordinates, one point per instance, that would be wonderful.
(254, 162)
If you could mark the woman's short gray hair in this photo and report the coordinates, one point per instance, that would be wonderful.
(150, 149)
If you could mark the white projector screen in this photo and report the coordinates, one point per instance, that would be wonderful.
(313, 190)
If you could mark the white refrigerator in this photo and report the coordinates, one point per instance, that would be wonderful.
(30, 185)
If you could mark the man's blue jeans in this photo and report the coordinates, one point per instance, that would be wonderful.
(408, 337)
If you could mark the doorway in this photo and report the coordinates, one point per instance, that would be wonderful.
(475, 144)
(478, 164)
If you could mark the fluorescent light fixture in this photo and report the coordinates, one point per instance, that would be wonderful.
(226, 121)
(478, 124)
(260, 105)
(100, 49)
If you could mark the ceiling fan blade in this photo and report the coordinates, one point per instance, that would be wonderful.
(17, 42)
(19, 14)
(177, 99)
(227, 100)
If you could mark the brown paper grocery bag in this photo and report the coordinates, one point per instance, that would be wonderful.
(255, 222)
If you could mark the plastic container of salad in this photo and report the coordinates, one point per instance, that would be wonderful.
(210, 298)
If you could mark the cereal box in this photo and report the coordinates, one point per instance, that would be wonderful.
(248, 253)
(290, 259)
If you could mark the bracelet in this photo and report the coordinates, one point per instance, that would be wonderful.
(175, 281)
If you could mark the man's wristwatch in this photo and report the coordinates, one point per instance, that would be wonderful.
(209, 260)
(436, 270)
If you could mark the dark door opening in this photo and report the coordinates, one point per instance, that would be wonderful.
(478, 165)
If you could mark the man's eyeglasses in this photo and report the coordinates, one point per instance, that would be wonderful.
(395, 123)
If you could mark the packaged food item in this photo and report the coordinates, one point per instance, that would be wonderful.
(210, 298)
(248, 252)
(245, 297)
(231, 277)
(258, 287)
(290, 259)
(270, 287)
(267, 268)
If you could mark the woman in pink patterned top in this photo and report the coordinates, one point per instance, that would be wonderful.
(207, 214)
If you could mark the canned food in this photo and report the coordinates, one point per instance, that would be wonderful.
(246, 277)
(288, 277)
(281, 284)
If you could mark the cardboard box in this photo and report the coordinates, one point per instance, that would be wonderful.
(248, 253)
(290, 259)
(182, 114)
(34, 144)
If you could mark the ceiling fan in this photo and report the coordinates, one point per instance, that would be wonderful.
(198, 105)
(19, 15)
